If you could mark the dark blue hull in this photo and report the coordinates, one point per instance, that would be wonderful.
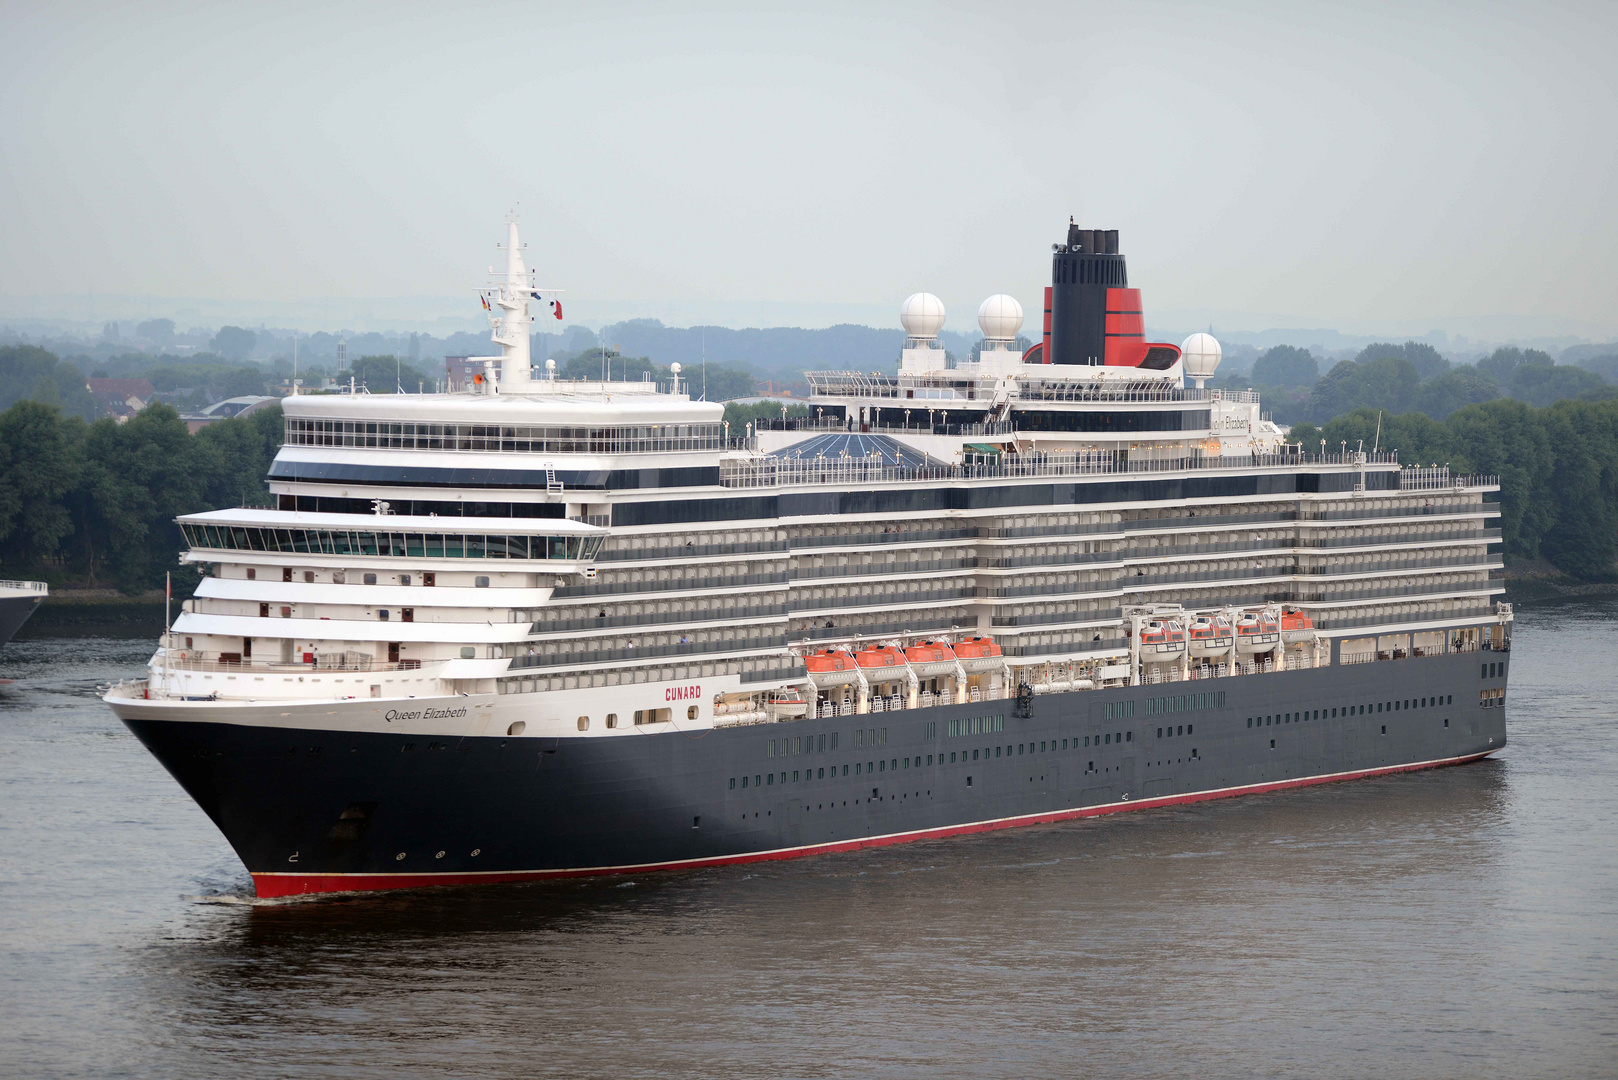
(315, 810)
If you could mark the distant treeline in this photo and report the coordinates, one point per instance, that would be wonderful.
(1558, 469)
(1414, 377)
(95, 503)
(779, 353)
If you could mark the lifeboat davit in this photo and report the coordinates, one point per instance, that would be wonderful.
(1162, 641)
(930, 659)
(979, 654)
(1297, 628)
(832, 667)
(1256, 632)
(1210, 635)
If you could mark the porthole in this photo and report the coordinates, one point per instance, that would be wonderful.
(584, 723)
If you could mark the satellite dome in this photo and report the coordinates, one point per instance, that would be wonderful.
(1000, 317)
(1201, 354)
(922, 315)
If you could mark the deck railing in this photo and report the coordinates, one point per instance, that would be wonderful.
(26, 586)
(763, 472)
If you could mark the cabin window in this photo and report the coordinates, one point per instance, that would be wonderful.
(264, 611)
(286, 573)
(308, 575)
(370, 579)
(481, 581)
(404, 579)
(584, 723)
(612, 719)
(252, 574)
(733, 783)
(691, 713)
(382, 613)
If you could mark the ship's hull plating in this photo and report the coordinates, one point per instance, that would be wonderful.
(313, 810)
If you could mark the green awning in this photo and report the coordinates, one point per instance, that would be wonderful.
(983, 448)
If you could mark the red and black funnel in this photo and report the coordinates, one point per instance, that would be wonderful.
(1093, 317)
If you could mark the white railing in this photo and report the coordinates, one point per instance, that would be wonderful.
(26, 586)
(791, 471)
(1438, 478)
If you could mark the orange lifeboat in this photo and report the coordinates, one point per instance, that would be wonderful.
(979, 654)
(1256, 632)
(874, 659)
(1210, 635)
(930, 658)
(1161, 641)
(832, 667)
(1297, 628)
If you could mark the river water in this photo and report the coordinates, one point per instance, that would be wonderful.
(1459, 922)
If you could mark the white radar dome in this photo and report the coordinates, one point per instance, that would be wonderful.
(1201, 355)
(1000, 317)
(922, 315)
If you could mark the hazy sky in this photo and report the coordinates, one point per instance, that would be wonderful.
(1377, 169)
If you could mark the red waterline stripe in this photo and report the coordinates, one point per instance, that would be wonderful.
(269, 884)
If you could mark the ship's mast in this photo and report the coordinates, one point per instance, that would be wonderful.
(511, 297)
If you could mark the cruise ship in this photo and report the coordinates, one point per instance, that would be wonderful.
(533, 627)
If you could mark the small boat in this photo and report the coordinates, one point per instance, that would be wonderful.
(788, 702)
(1256, 632)
(930, 658)
(979, 654)
(1162, 641)
(832, 667)
(1210, 635)
(1297, 628)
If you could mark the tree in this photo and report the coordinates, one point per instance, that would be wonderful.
(384, 375)
(1388, 384)
(157, 331)
(1501, 365)
(1540, 382)
(1454, 389)
(27, 371)
(242, 382)
(233, 343)
(738, 416)
(1423, 357)
(39, 466)
(140, 476)
(1285, 365)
